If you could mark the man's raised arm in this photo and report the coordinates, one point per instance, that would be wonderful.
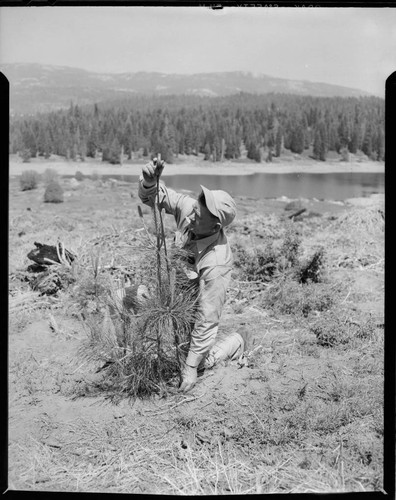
(174, 203)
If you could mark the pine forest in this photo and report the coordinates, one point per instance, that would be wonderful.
(259, 127)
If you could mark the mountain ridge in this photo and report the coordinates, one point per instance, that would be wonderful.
(38, 87)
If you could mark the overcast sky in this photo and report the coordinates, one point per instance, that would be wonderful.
(354, 47)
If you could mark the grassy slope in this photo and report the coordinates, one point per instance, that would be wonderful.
(299, 417)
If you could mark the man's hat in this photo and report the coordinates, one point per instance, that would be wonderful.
(220, 204)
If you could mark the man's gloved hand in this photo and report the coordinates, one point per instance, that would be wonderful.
(189, 376)
(151, 171)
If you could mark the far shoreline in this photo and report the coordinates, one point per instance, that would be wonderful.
(90, 167)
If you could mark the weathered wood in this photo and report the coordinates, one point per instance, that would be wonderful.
(47, 254)
(296, 214)
(36, 268)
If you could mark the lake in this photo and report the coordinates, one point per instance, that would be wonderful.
(328, 186)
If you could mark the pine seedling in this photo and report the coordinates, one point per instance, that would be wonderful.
(167, 318)
(141, 350)
(141, 353)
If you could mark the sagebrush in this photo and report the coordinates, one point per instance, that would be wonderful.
(29, 180)
(50, 175)
(53, 192)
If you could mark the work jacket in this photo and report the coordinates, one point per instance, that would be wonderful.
(212, 261)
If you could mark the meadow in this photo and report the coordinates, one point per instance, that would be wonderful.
(301, 412)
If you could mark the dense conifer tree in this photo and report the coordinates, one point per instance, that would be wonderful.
(253, 152)
(279, 142)
(320, 145)
(297, 139)
(367, 146)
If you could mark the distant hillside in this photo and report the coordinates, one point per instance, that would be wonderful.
(36, 87)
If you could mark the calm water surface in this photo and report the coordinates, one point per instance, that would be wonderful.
(332, 186)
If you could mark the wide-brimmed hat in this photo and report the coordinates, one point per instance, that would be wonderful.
(220, 204)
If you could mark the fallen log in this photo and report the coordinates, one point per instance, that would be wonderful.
(45, 255)
(296, 214)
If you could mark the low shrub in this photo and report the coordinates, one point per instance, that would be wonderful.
(256, 264)
(294, 205)
(50, 175)
(53, 192)
(312, 269)
(345, 156)
(291, 246)
(265, 262)
(79, 176)
(29, 180)
(26, 155)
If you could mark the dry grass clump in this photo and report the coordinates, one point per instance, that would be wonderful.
(29, 377)
(367, 220)
(267, 227)
(91, 285)
(24, 306)
(339, 327)
(287, 296)
(356, 239)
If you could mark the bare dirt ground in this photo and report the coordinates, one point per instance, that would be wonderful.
(298, 417)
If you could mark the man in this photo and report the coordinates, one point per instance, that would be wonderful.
(200, 225)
